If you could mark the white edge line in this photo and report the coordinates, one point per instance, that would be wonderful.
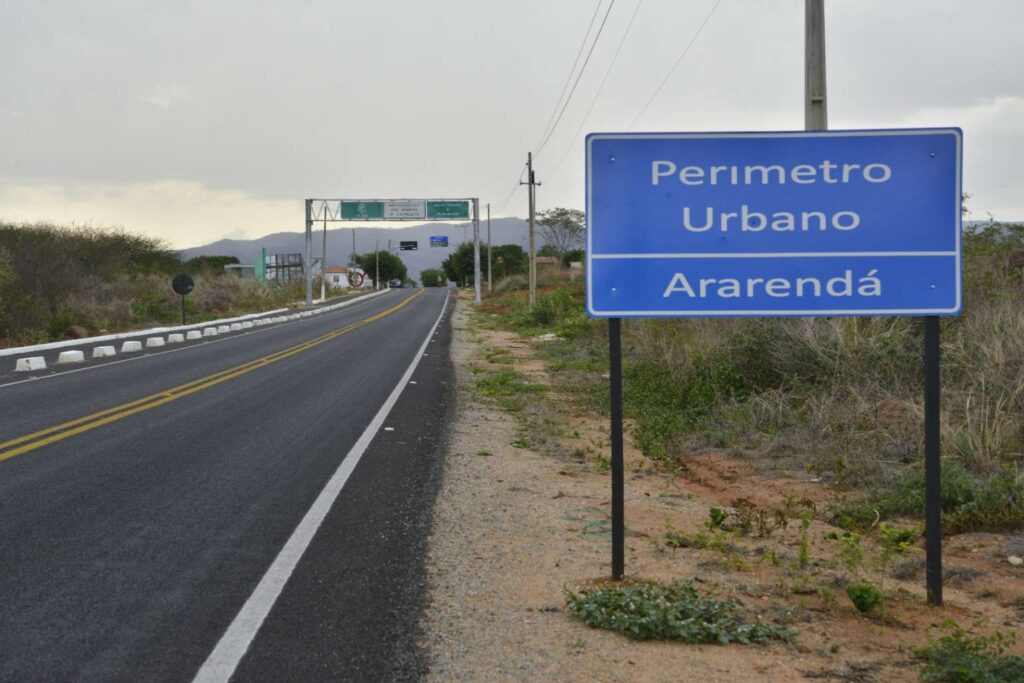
(222, 662)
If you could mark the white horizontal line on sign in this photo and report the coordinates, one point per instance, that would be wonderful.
(791, 254)
(768, 313)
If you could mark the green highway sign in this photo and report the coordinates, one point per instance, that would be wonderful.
(447, 209)
(362, 211)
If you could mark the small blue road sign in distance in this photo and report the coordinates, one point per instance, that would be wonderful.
(774, 224)
(439, 240)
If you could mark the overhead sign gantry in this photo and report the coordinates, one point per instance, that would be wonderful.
(386, 210)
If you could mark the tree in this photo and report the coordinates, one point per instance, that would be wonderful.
(573, 255)
(459, 264)
(506, 259)
(509, 259)
(433, 277)
(391, 267)
(563, 229)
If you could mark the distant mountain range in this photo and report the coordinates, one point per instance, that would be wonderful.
(339, 242)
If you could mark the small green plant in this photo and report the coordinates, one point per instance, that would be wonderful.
(851, 554)
(674, 611)
(958, 657)
(484, 453)
(804, 556)
(866, 597)
(896, 541)
(716, 517)
(604, 464)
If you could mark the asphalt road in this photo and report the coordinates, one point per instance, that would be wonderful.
(142, 503)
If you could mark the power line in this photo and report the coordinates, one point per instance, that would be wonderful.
(554, 112)
(656, 92)
(678, 62)
(512, 192)
(583, 68)
(597, 94)
(568, 78)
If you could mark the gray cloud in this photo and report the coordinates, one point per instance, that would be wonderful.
(269, 102)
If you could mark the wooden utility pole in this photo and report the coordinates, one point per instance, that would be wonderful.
(490, 282)
(531, 182)
(815, 92)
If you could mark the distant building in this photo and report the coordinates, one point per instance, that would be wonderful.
(548, 261)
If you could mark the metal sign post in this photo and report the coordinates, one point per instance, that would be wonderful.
(618, 467)
(809, 223)
(932, 462)
(182, 284)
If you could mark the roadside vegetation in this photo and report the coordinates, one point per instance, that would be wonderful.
(837, 398)
(674, 611)
(58, 282)
(831, 403)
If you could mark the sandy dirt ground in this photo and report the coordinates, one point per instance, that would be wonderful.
(514, 528)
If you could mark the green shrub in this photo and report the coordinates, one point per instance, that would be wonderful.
(960, 658)
(674, 611)
(666, 406)
(969, 502)
(866, 597)
(507, 388)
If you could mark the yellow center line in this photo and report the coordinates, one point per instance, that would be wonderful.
(43, 437)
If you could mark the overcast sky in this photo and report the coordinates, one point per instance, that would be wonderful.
(197, 120)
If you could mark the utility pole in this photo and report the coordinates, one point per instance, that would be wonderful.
(476, 251)
(490, 282)
(309, 252)
(352, 257)
(376, 275)
(815, 92)
(532, 183)
(323, 265)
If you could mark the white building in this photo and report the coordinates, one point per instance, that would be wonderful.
(338, 277)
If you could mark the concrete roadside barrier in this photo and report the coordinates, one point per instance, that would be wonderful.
(103, 352)
(131, 346)
(235, 327)
(175, 338)
(29, 364)
(247, 325)
(153, 342)
(194, 334)
(209, 331)
(72, 356)
(223, 329)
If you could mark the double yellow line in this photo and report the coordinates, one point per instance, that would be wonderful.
(65, 430)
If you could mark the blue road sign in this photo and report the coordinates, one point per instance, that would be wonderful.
(774, 224)
(439, 241)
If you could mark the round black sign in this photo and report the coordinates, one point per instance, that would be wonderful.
(182, 284)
